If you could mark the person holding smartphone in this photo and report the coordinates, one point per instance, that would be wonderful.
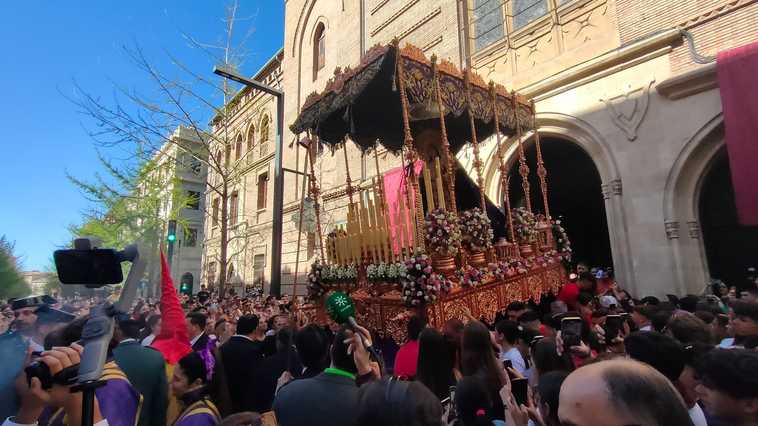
(507, 335)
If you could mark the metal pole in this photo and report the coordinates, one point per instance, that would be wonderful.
(276, 238)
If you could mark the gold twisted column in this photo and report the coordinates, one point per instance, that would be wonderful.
(501, 164)
(541, 170)
(475, 143)
(523, 168)
(410, 149)
(314, 191)
(299, 228)
(450, 197)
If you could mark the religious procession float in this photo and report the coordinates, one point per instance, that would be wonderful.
(424, 237)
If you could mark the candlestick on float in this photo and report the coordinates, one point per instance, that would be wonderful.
(440, 191)
(428, 188)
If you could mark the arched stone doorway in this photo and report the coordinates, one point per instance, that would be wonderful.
(730, 248)
(574, 194)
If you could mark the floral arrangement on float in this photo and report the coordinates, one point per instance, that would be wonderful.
(421, 285)
(339, 274)
(471, 276)
(545, 259)
(386, 272)
(510, 268)
(443, 238)
(525, 225)
(476, 230)
(562, 242)
(316, 289)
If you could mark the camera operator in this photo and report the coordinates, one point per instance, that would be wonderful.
(117, 401)
(35, 400)
(35, 320)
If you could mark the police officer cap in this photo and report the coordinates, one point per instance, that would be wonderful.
(48, 315)
(32, 302)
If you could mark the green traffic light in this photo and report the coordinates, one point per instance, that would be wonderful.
(171, 238)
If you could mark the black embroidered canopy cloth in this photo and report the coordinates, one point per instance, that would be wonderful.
(364, 103)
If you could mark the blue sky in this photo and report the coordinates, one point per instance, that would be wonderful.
(46, 46)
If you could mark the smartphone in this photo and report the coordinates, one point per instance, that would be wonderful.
(571, 331)
(506, 365)
(519, 387)
(613, 324)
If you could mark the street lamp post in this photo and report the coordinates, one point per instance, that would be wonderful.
(276, 240)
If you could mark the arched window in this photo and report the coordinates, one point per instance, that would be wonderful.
(250, 138)
(238, 148)
(264, 129)
(264, 135)
(319, 49)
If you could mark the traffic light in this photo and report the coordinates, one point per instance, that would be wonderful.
(171, 236)
(184, 288)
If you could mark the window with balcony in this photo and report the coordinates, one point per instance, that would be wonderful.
(190, 237)
(265, 128)
(234, 208)
(238, 148)
(259, 263)
(262, 190)
(214, 209)
(250, 141)
(319, 49)
(193, 200)
(211, 274)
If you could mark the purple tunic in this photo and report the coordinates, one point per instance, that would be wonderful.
(119, 402)
(201, 413)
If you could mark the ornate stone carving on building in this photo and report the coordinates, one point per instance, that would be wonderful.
(616, 187)
(694, 229)
(613, 187)
(628, 110)
(672, 230)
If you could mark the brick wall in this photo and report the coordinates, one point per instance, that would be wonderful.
(717, 24)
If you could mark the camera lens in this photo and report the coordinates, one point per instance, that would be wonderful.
(41, 371)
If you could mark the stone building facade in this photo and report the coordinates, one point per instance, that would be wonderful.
(628, 111)
(187, 175)
(252, 134)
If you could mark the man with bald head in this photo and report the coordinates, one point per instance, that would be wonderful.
(620, 393)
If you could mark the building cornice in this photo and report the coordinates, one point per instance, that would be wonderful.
(623, 57)
(689, 83)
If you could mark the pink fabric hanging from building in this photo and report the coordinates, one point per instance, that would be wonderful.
(395, 187)
(738, 82)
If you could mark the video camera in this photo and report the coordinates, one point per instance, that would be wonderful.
(92, 266)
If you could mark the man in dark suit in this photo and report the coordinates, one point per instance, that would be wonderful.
(145, 369)
(330, 398)
(312, 346)
(267, 374)
(196, 322)
(241, 356)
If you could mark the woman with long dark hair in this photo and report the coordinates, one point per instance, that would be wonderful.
(478, 359)
(473, 403)
(397, 403)
(189, 385)
(435, 366)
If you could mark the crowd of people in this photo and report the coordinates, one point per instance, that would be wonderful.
(590, 355)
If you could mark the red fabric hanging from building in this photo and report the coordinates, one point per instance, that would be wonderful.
(738, 82)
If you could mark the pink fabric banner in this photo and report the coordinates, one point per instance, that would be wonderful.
(395, 187)
(738, 81)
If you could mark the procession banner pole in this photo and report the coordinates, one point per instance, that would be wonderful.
(523, 167)
(300, 228)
